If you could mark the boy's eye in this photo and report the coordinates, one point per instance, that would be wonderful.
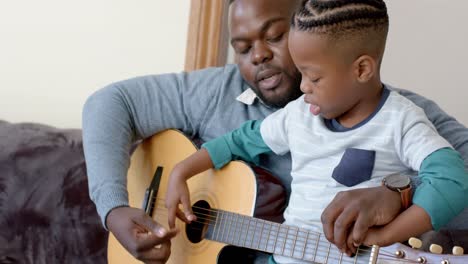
(316, 80)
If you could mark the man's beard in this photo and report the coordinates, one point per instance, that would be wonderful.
(281, 101)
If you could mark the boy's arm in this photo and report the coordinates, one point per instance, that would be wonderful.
(440, 197)
(177, 190)
(244, 143)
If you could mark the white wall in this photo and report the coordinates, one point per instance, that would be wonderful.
(427, 51)
(54, 53)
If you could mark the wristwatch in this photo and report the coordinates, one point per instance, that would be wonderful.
(401, 183)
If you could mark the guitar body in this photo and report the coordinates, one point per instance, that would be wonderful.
(232, 188)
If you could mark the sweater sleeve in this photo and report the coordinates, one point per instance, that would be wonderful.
(443, 192)
(115, 117)
(447, 126)
(244, 143)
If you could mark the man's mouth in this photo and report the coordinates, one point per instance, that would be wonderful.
(269, 80)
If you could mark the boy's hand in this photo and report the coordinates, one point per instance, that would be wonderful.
(376, 236)
(178, 193)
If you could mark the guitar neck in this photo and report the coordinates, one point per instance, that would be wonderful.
(249, 232)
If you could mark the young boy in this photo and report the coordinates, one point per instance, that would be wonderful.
(348, 130)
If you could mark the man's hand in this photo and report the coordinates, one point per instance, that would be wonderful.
(142, 237)
(349, 216)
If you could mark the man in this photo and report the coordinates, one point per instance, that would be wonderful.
(209, 103)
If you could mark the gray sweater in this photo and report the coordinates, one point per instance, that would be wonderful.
(203, 105)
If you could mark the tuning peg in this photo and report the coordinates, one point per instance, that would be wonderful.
(436, 249)
(414, 242)
(457, 250)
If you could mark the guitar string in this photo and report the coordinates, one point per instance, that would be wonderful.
(212, 219)
(324, 243)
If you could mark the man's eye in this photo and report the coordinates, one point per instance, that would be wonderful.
(242, 50)
(316, 80)
(276, 39)
(245, 51)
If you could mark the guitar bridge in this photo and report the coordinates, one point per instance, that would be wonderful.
(152, 192)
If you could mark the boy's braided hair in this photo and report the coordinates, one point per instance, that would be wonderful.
(334, 17)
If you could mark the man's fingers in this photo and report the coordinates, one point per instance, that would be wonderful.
(342, 227)
(149, 224)
(328, 217)
(360, 229)
(146, 241)
(156, 255)
(351, 247)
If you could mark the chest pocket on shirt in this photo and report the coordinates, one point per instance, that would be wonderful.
(355, 167)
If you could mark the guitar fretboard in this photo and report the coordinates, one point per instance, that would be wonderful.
(248, 232)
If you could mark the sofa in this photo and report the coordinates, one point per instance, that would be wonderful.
(46, 215)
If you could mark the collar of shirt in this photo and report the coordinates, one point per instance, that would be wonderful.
(247, 97)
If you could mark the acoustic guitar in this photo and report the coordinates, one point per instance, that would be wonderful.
(223, 201)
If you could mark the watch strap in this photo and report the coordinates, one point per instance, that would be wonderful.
(406, 197)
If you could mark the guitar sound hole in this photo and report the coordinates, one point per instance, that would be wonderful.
(197, 229)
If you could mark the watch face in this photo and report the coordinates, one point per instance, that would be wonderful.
(397, 180)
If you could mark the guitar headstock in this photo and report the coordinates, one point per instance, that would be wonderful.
(399, 253)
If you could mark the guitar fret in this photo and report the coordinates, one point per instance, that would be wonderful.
(276, 239)
(293, 250)
(260, 224)
(253, 223)
(229, 228)
(218, 219)
(261, 235)
(284, 241)
(220, 225)
(252, 220)
(305, 245)
(316, 247)
(240, 231)
(248, 227)
(225, 219)
(328, 253)
(268, 239)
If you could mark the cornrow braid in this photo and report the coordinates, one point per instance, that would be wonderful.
(335, 16)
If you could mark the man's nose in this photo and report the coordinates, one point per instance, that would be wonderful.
(261, 54)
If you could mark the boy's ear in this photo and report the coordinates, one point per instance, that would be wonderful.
(365, 68)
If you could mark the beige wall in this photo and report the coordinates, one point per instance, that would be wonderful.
(54, 53)
(427, 51)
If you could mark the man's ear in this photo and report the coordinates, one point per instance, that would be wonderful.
(365, 68)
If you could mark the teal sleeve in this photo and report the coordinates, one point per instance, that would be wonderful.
(443, 192)
(244, 143)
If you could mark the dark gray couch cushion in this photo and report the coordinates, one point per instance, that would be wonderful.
(46, 214)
